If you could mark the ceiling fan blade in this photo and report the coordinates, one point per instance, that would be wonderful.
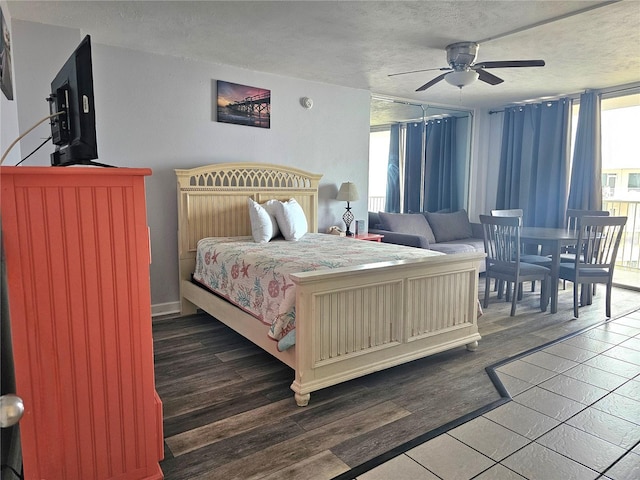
(510, 63)
(418, 71)
(432, 82)
(487, 77)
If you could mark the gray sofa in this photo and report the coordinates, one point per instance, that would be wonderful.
(443, 232)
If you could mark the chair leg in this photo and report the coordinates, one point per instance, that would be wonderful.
(507, 291)
(608, 301)
(520, 289)
(533, 286)
(544, 297)
(514, 300)
(487, 287)
(585, 294)
(576, 287)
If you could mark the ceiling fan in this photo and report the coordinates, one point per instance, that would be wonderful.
(462, 70)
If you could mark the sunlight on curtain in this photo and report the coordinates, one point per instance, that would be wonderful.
(585, 191)
(393, 171)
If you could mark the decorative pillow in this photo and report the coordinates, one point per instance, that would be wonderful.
(411, 223)
(264, 226)
(450, 226)
(291, 219)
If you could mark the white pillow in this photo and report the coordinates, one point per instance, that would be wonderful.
(263, 220)
(291, 220)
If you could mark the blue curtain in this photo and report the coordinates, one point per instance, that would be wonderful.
(413, 168)
(585, 190)
(441, 170)
(534, 162)
(392, 203)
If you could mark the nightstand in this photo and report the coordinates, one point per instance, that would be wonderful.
(371, 237)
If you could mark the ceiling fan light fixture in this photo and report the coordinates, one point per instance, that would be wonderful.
(461, 78)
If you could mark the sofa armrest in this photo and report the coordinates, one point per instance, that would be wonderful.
(476, 229)
(406, 239)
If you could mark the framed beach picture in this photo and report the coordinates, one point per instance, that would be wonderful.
(243, 105)
(6, 81)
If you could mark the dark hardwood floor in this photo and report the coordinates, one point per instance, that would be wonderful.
(229, 412)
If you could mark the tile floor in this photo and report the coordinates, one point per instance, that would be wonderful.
(574, 414)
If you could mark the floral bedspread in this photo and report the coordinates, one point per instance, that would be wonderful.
(256, 276)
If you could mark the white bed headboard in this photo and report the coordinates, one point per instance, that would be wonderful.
(212, 201)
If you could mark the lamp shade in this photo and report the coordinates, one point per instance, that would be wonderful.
(461, 78)
(348, 192)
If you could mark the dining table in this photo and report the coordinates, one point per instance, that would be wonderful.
(552, 241)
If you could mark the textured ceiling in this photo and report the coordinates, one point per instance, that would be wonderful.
(585, 44)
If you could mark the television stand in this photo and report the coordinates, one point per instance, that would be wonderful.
(85, 162)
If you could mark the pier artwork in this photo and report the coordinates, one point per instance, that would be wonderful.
(244, 105)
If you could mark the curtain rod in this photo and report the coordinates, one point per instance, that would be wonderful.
(574, 96)
(424, 106)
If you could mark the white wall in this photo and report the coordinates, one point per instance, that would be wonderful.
(38, 53)
(8, 108)
(156, 111)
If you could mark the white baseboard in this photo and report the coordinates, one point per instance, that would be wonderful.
(168, 308)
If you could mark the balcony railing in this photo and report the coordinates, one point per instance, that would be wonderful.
(376, 204)
(629, 251)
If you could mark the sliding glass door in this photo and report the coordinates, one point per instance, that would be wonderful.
(621, 179)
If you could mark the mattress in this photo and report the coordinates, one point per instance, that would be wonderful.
(256, 276)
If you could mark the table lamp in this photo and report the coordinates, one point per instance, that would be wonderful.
(348, 193)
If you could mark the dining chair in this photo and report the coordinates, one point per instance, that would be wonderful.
(573, 217)
(502, 246)
(511, 212)
(524, 257)
(597, 246)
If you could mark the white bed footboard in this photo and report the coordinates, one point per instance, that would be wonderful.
(357, 322)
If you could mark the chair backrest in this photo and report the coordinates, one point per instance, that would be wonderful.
(599, 238)
(512, 212)
(573, 215)
(501, 239)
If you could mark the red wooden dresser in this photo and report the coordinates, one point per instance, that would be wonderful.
(77, 254)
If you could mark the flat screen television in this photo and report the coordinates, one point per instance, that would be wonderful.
(73, 132)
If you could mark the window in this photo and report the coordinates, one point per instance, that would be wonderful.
(608, 184)
(620, 120)
(378, 160)
(621, 178)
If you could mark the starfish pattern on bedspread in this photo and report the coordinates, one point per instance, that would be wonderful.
(256, 277)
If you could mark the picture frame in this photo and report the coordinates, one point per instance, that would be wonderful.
(6, 79)
(243, 104)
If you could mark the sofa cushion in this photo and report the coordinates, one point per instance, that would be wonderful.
(413, 223)
(450, 248)
(475, 243)
(374, 220)
(450, 226)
